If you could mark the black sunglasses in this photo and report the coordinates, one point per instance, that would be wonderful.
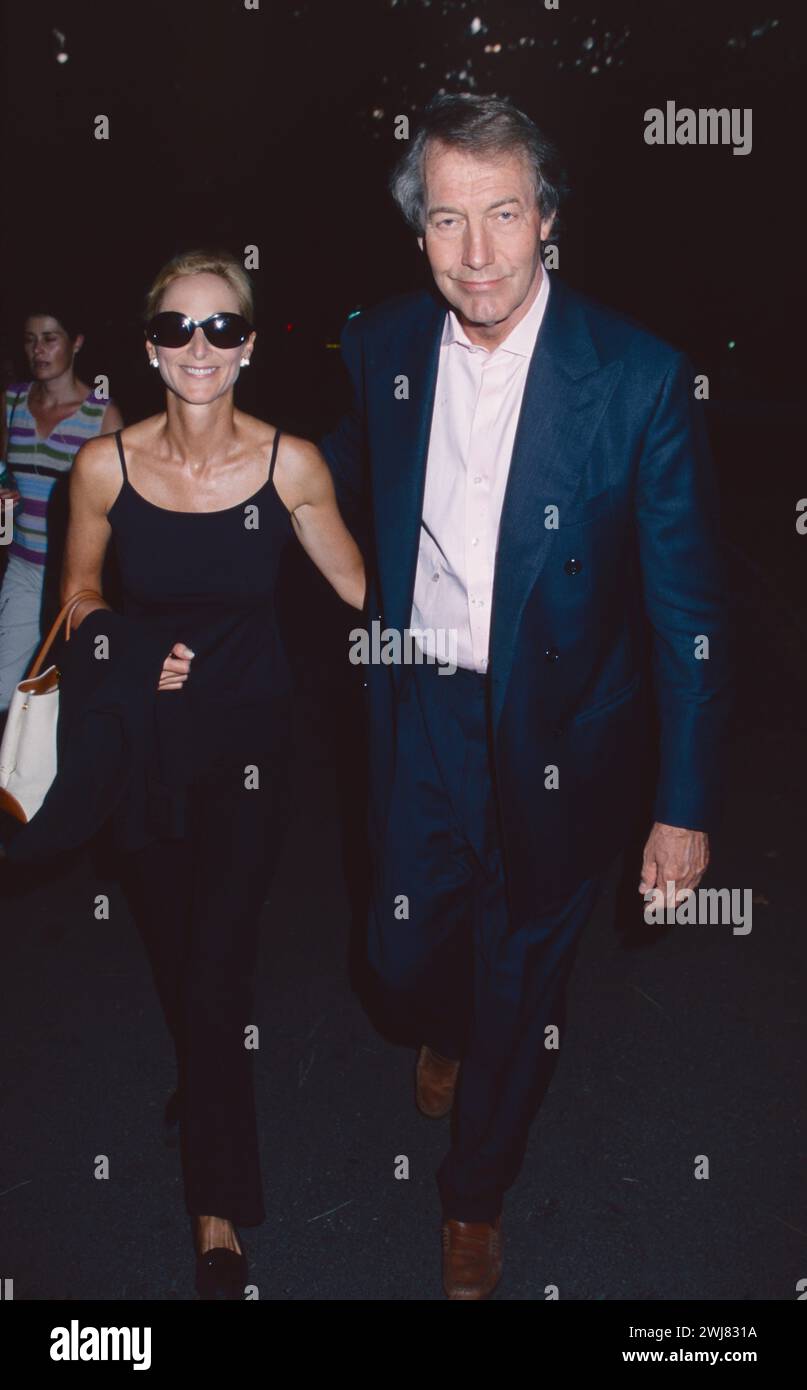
(173, 330)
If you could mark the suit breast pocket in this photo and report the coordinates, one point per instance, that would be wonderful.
(585, 511)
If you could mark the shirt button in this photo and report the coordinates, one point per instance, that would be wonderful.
(477, 479)
(435, 578)
(475, 540)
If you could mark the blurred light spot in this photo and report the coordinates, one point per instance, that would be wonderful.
(61, 56)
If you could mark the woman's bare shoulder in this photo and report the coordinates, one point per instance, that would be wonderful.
(97, 463)
(299, 456)
(300, 472)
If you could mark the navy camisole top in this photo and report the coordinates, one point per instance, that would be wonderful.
(209, 578)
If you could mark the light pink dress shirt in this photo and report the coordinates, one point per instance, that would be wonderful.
(476, 409)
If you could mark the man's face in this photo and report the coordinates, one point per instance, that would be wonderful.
(483, 236)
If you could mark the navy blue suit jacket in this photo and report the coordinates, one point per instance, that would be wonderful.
(610, 434)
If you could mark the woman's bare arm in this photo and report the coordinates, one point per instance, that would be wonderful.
(305, 486)
(92, 492)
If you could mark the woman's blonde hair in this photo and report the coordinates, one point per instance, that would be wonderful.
(202, 262)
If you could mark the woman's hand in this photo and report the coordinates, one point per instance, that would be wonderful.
(9, 494)
(176, 667)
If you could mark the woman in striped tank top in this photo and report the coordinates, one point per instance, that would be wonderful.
(47, 419)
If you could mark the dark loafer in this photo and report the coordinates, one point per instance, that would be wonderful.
(221, 1273)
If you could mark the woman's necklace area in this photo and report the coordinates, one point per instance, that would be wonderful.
(54, 433)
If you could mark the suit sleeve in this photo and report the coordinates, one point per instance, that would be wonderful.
(685, 598)
(345, 447)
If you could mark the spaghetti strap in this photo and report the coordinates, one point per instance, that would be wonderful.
(274, 455)
(120, 453)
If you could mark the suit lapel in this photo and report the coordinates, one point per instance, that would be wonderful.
(405, 425)
(566, 393)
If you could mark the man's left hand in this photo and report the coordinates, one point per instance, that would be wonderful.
(673, 855)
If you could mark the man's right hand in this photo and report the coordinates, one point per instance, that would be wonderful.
(176, 667)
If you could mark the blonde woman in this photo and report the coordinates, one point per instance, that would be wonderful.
(198, 501)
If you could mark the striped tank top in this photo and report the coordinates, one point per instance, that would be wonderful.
(37, 463)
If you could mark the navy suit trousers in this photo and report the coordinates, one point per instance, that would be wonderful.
(473, 982)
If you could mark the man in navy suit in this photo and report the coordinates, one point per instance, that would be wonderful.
(540, 507)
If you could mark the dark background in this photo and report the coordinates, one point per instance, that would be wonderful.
(275, 127)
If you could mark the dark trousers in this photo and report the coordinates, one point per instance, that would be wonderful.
(197, 902)
(476, 984)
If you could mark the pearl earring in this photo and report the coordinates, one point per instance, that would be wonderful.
(153, 361)
(244, 362)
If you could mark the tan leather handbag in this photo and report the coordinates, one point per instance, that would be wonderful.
(28, 759)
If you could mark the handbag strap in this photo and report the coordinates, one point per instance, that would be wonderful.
(65, 616)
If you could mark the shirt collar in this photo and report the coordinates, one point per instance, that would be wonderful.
(521, 340)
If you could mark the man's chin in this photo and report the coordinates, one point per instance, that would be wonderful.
(483, 311)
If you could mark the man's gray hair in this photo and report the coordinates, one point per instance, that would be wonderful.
(481, 125)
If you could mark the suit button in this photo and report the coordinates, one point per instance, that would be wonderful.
(573, 566)
(552, 654)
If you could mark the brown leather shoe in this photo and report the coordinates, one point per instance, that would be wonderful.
(472, 1258)
(435, 1079)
